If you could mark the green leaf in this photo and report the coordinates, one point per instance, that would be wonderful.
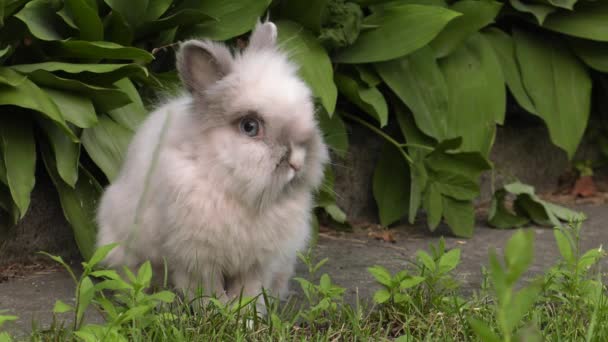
(19, 155)
(79, 204)
(539, 11)
(133, 11)
(103, 73)
(459, 215)
(565, 245)
(594, 54)
(468, 164)
(100, 254)
(500, 217)
(519, 253)
(40, 18)
(369, 99)
(520, 304)
(476, 92)
(315, 65)
(483, 331)
(108, 274)
(381, 274)
(419, 83)
(410, 282)
(28, 95)
(67, 152)
(96, 50)
(85, 296)
(311, 14)
(156, 8)
(105, 99)
(163, 296)
(449, 261)
(327, 199)
(61, 307)
(334, 132)
(133, 114)
(505, 51)
(390, 185)
(106, 143)
(184, 17)
(117, 30)
(567, 4)
(382, 296)
(589, 20)
(86, 18)
(475, 15)
(558, 85)
(433, 205)
(235, 17)
(454, 185)
(76, 109)
(401, 30)
(144, 274)
(426, 260)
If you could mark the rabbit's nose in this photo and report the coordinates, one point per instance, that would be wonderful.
(296, 157)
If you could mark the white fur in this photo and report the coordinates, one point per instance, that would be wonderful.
(215, 208)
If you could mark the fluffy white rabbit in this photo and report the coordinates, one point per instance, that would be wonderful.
(236, 159)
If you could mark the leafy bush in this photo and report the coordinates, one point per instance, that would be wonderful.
(428, 76)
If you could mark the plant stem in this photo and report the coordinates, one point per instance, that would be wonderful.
(382, 134)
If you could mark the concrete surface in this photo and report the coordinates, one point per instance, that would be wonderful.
(33, 296)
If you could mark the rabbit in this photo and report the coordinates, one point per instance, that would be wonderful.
(219, 182)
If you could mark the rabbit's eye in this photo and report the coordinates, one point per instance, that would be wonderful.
(250, 127)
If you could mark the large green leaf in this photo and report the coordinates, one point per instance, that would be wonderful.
(235, 17)
(454, 185)
(315, 66)
(539, 11)
(106, 143)
(500, 216)
(105, 99)
(79, 203)
(505, 51)
(334, 132)
(433, 204)
(475, 15)
(419, 83)
(19, 155)
(477, 98)
(86, 18)
(156, 8)
(40, 18)
(66, 152)
(418, 173)
(400, 30)
(133, 114)
(117, 30)
(558, 85)
(184, 17)
(460, 216)
(594, 54)
(95, 50)
(567, 4)
(311, 14)
(96, 73)
(369, 99)
(28, 95)
(589, 20)
(74, 108)
(133, 11)
(390, 185)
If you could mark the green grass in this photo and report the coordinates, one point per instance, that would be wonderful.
(567, 303)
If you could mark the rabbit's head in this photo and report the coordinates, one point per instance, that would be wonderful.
(257, 117)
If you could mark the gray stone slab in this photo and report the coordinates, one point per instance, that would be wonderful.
(32, 297)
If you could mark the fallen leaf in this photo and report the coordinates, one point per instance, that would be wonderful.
(386, 236)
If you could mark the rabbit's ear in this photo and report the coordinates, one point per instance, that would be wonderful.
(202, 63)
(264, 36)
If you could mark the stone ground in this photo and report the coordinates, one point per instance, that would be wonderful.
(32, 296)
